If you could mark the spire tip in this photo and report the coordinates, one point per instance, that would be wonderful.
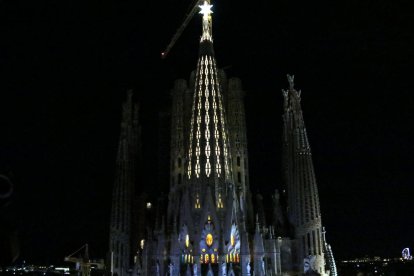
(291, 80)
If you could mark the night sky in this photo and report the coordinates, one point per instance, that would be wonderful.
(66, 66)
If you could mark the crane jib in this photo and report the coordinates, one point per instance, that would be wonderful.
(181, 28)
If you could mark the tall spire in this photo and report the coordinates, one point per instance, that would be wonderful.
(209, 161)
(329, 255)
(121, 234)
(303, 200)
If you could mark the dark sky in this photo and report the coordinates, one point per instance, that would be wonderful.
(66, 65)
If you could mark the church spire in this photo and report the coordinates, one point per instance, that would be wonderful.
(329, 255)
(208, 151)
(121, 233)
(303, 200)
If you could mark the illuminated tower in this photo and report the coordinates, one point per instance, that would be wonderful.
(121, 240)
(208, 228)
(208, 158)
(303, 200)
(204, 220)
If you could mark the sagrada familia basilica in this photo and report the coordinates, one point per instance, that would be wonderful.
(209, 225)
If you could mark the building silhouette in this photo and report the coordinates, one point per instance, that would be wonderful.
(208, 224)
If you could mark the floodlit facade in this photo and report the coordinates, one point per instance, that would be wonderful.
(209, 224)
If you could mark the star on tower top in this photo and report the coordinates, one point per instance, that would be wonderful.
(205, 9)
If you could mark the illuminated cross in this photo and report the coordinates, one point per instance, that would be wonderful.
(205, 9)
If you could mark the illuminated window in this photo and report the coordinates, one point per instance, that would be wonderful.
(142, 243)
(220, 202)
(149, 205)
(187, 258)
(197, 204)
(209, 239)
(187, 241)
(213, 258)
(232, 258)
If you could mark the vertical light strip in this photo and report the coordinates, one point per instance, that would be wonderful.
(223, 127)
(198, 132)
(215, 121)
(207, 121)
(190, 148)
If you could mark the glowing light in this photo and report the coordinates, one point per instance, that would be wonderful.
(142, 243)
(220, 202)
(209, 239)
(207, 132)
(205, 9)
(406, 254)
(149, 205)
(232, 240)
(187, 241)
(198, 204)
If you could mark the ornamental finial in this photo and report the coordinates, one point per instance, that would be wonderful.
(206, 12)
(206, 9)
(291, 79)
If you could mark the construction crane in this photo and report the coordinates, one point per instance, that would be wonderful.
(182, 27)
(83, 263)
